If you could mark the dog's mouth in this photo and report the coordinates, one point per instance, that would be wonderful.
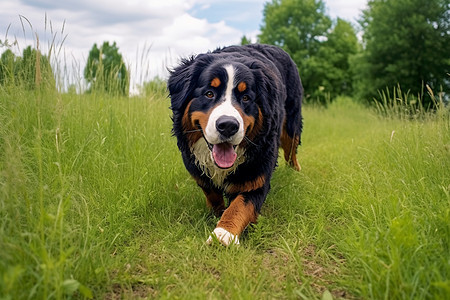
(223, 154)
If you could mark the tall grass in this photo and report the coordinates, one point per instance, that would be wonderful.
(75, 171)
(95, 203)
(403, 105)
(399, 198)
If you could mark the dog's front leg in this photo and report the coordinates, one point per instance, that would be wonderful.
(234, 220)
(214, 200)
(214, 197)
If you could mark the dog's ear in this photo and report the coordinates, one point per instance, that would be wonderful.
(184, 78)
(180, 84)
(269, 88)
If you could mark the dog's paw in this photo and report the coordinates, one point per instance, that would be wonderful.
(223, 236)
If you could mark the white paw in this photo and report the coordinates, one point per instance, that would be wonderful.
(223, 236)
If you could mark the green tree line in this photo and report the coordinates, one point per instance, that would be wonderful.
(32, 70)
(404, 42)
(106, 71)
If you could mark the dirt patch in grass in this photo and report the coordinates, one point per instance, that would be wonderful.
(321, 272)
(316, 271)
(134, 291)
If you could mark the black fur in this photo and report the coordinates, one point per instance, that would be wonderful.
(275, 89)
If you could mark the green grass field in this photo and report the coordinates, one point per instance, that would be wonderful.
(95, 203)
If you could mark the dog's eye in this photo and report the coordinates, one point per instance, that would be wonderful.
(209, 94)
(245, 98)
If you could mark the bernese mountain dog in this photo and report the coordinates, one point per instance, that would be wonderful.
(232, 109)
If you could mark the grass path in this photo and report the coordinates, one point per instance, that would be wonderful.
(95, 203)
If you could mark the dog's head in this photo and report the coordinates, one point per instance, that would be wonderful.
(224, 101)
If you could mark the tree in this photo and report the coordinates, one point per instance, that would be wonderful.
(295, 25)
(302, 29)
(157, 86)
(245, 40)
(106, 71)
(32, 70)
(333, 71)
(406, 43)
(35, 69)
(8, 67)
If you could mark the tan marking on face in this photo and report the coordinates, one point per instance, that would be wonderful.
(189, 126)
(200, 118)
(249, 121)
(242, 86)
(251, 126)
(215, 82)
(257, 127)
(238, 216)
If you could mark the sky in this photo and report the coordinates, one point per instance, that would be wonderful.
(152, 35)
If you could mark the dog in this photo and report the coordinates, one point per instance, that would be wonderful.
(232, 110)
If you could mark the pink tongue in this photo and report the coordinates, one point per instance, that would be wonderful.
(224, 155)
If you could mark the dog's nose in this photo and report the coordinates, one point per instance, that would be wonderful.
(227, 126)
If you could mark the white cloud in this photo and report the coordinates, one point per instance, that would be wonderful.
(187, 32)
(346, 9)
(164, 26)
(151, 34)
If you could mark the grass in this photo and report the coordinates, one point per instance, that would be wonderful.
(95, 203)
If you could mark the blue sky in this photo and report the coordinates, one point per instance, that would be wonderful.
(245, 15)
(248, 15)
(151, 34)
